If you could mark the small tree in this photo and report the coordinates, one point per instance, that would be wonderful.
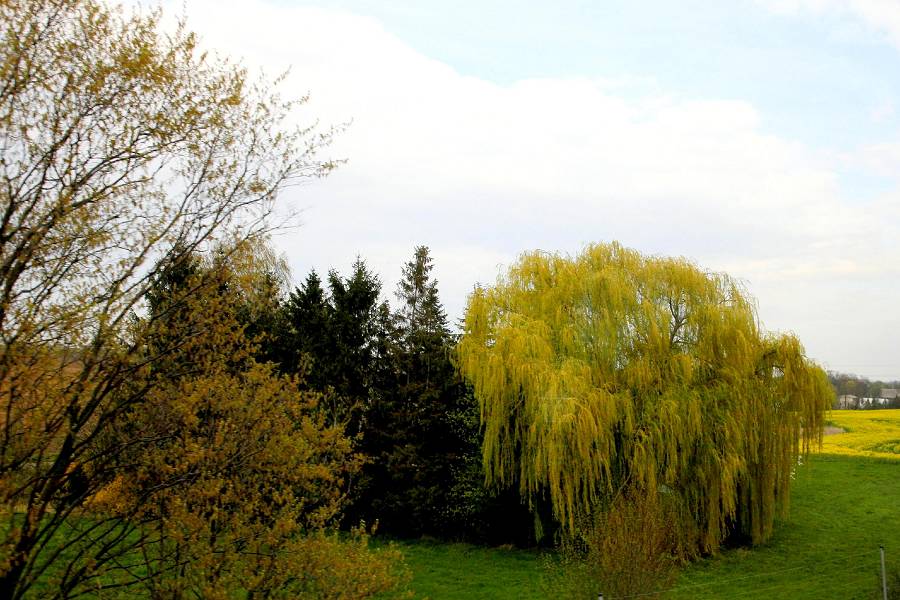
(119, 145)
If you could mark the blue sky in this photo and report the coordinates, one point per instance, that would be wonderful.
(824, 79)
(756, 137)
(817, 77)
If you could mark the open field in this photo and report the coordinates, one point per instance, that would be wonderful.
(844, 505)
(867, 433)
(451, 571)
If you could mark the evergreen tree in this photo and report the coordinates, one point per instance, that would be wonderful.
(172, 275)
(335, 340)
(306, 336)
(354, 330)
(388, 375)
(421, 315)
(419, 431)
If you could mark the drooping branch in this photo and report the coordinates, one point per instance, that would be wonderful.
(612, 369)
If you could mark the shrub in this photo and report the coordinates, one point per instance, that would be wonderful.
(627, 549)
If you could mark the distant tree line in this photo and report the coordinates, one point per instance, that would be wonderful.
(846, 384)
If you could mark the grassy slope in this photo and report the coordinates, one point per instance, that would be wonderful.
(843, 508)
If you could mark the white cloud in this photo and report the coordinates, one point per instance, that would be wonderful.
(881, 159)
(480, 172)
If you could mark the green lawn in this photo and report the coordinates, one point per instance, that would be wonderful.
(842, 509)
(443, 570)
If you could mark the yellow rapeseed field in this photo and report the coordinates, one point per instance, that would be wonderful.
(867, 433)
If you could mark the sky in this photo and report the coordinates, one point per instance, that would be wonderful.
(756, 137)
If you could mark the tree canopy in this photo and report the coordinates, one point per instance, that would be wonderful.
(143, 445)
(416, 432)
(611, 371)
(387, 374)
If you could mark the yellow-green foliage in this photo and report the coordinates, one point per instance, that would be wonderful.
(327, 567)
(625, 551)
(613, 370)
(867, 433)
(123, 144)
(244, 472)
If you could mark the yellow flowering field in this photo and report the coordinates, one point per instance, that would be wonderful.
(867, 433)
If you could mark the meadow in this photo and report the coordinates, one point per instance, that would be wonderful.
(872, 433)
(843, 508)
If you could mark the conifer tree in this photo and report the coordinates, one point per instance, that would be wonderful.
(335, 340)
(416, 433)
(354, 331)
(306, 314)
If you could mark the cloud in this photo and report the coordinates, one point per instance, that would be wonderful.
(480, 172)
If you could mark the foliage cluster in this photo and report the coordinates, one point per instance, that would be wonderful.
(328, 566)
(627, 550)
(611, 372)
(145, 445)
(391, 380)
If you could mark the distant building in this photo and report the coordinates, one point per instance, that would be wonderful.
(847, 401)
(870, 402)
(890, 393)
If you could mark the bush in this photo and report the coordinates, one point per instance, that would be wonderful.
(627, 549)
(326, 567)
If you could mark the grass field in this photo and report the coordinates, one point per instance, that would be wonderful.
(844, 505)
(442, 570)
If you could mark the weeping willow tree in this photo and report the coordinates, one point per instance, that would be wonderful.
(614, 371)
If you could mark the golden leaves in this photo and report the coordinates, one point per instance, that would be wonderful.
(121, 143)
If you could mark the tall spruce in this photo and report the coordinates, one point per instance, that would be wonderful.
(335, 340)
(305, 343)
(426, 396)
(417, 436)
(354, 330)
